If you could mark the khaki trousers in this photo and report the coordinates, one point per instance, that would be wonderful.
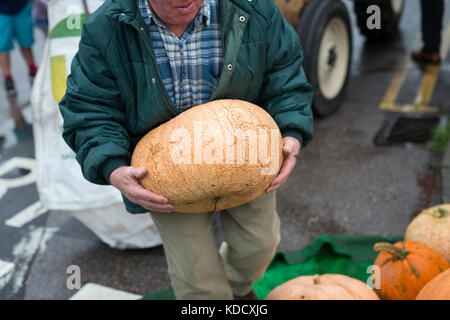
(198, 270)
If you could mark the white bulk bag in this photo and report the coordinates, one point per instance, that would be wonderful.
(60, 183)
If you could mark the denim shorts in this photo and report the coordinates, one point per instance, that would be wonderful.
(16, 26)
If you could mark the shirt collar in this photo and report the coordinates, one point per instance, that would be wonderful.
(204, 12)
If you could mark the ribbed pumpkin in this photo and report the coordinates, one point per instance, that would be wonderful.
(211, 157)
(432, 227)
(436, 289)
(323, 287)
(405, 268)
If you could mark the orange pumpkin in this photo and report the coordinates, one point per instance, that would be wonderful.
(203, 163)
(323, 287)
(405, 268)
(436, 289)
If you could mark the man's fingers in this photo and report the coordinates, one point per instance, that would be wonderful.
(151, 205)
(286, 169)
(274, 187)
(288, 149)
(139, 173)
(143, 194)
(127, 181)
(277, 184)
(291, 148)
(155, 207)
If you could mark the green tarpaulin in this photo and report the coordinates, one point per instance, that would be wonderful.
(344, 254)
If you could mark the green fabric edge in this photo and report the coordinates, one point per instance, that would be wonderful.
(355, 247)
(166, 294)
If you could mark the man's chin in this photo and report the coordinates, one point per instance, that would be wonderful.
(186, 18)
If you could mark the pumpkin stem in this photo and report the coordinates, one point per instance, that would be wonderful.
(439, 212)
(385, 246)
(316, 279)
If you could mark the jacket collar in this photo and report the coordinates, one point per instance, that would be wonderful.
(123, 10)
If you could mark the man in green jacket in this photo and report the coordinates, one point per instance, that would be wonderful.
(141, 63)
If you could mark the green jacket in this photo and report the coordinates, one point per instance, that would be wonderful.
(115, 95)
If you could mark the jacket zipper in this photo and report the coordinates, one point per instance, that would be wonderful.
(228, 29)
(220, 88)
(155, 67)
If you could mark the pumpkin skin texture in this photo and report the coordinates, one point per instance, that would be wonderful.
(405, 268)
(323, 287)
(223, 172)
(432, 228)
(436, 289)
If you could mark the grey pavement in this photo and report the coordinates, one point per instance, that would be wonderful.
(342, 183)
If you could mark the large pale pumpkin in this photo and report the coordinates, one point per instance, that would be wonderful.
(323, 287)
(436, 289)
(405, 268)
(432, 227)
(211, 157)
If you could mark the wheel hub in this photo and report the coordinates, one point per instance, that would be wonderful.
(332, 57)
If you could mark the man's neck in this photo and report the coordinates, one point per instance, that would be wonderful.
(177, 28)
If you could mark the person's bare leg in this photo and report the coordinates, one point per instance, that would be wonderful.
(27, 54)
(5, 66)
(16, 114)
(5, 63)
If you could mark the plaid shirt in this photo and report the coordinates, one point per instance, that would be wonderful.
(190, 66)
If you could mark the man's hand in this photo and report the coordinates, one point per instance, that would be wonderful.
(126, 179)
(291, 149)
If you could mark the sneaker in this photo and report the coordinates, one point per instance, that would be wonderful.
(426, 57)
(32, 76)
(32, 73)
(10, 88)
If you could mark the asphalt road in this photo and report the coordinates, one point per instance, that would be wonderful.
(343, 183)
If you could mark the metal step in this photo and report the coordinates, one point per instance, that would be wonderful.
(406, 128)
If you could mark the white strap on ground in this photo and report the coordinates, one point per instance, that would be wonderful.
(17, 163)
(5, 268)
(92, 291)
(26, 215)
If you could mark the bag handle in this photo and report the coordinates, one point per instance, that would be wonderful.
(86, 10)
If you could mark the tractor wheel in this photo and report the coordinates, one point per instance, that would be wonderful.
(390, 14)
(325, 33)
